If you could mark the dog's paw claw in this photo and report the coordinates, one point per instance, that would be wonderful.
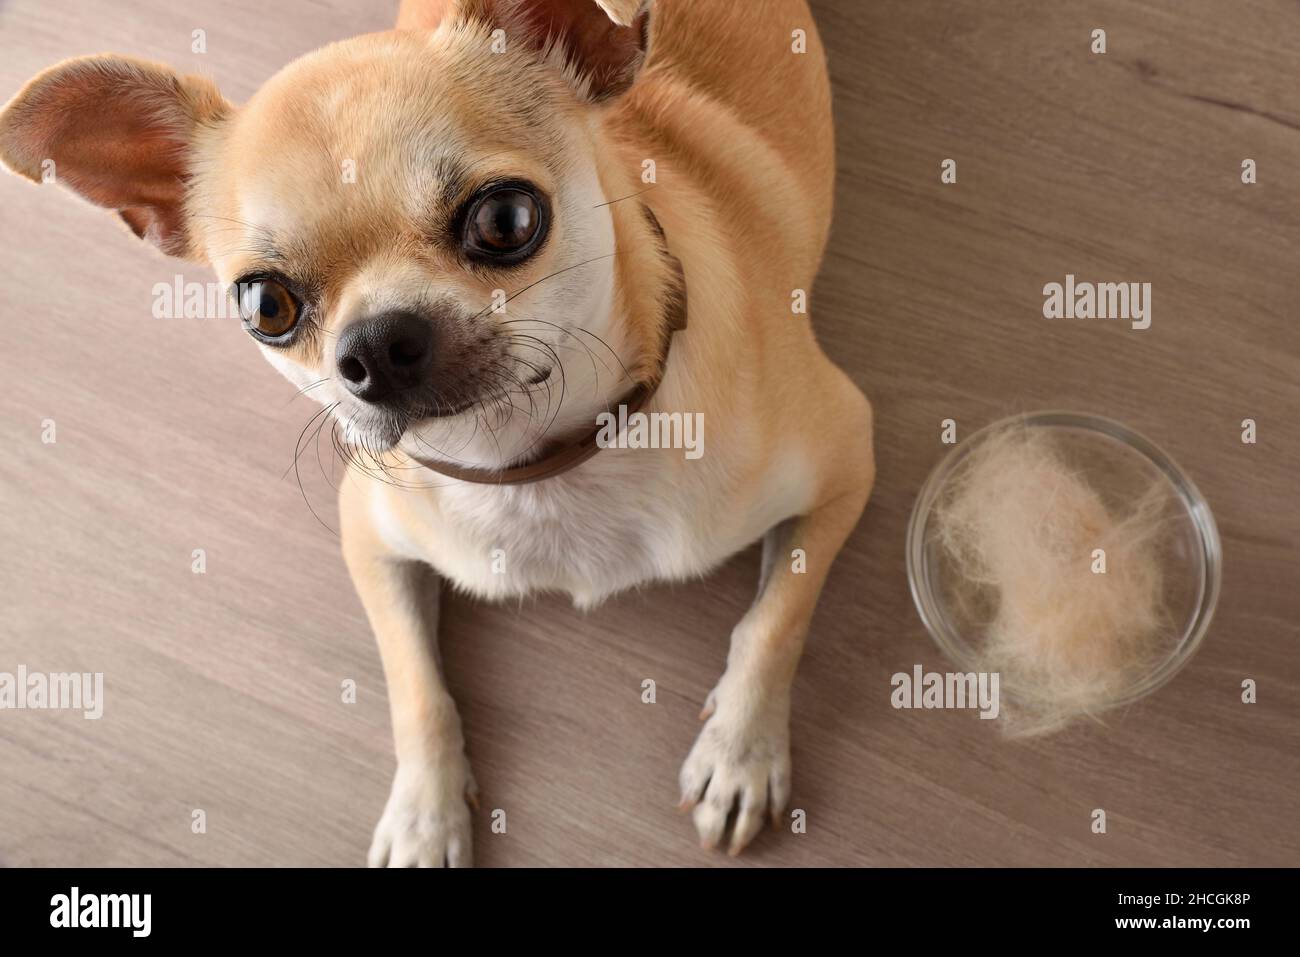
(741, 766)
(710, 704)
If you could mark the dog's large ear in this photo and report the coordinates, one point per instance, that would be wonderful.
(604, 41)
(118, 131)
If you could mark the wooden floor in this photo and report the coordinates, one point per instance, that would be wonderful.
(223, 689)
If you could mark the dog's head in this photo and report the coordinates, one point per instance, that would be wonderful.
(422, 228)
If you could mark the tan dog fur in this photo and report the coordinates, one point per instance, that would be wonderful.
(740, 130)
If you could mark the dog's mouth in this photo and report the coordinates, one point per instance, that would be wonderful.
(378, 429)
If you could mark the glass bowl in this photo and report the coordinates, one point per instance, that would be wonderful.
(1116, 461)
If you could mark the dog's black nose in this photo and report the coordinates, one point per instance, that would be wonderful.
(381, 357)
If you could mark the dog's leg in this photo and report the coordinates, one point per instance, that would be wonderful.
(741, 760)
(427, 820)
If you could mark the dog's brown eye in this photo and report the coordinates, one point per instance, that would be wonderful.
(505, 226)
(270, 310)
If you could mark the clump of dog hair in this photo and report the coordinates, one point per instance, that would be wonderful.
(1020, 527)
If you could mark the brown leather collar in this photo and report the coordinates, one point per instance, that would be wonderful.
(569, 456)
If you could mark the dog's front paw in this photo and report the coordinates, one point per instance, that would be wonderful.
(426, 822)
(740, 762)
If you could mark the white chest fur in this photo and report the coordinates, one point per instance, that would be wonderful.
(624, 518)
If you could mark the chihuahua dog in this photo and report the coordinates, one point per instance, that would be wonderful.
(473, 237)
